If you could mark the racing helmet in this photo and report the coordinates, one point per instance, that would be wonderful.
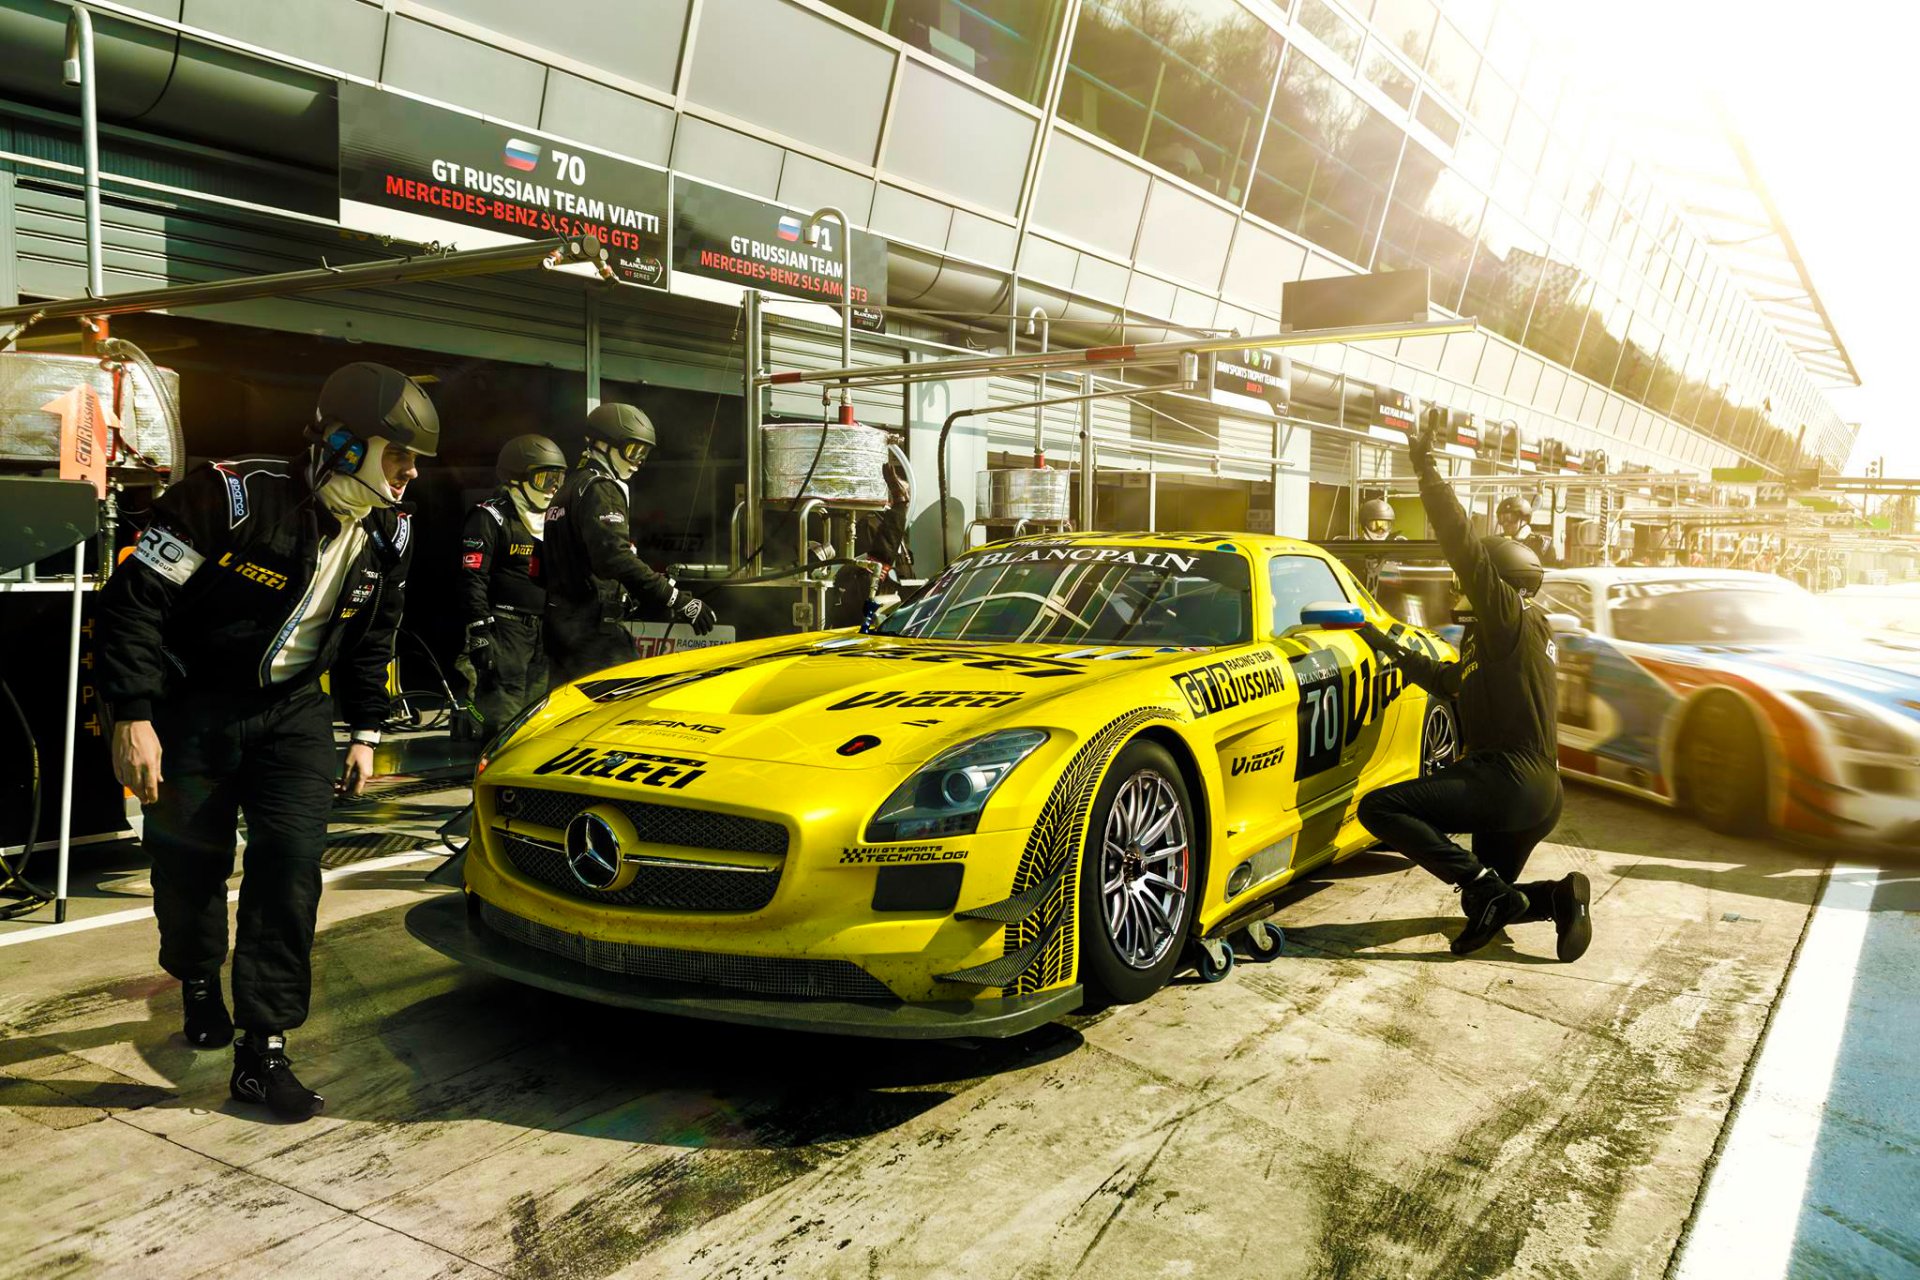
(364, 400)
(533, 460)
(1515, 562)
(1376, 511)
(624, 430)
(1514, 508)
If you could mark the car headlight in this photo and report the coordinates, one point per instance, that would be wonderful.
(498, 743)
(1856, 726)
(946, 796)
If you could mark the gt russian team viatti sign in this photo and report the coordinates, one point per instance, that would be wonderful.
(725, 236)
(408, 168)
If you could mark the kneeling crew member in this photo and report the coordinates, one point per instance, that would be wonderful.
(590, 561)
(1506, 791)
(253, 579)
(505, 658)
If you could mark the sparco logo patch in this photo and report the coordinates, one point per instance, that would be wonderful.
(1230, 682)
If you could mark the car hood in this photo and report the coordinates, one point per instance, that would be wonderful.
(802, 702)
(1885, 676)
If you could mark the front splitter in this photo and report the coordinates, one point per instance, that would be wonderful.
(445, 924)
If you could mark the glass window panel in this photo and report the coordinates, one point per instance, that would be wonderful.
(1505, 274)
(1526, 139)
(1509, 47)
(1452, 61)
(1334, 29)
(1389, 76)
(1492, 104)
(1560, 310)
(1007, 43)
(1437, 119)
(1476, 157)
(1637, 359)
(1601, 339)
(1472, 16)
(1513, 186)
(1182, 83)
(1407, 25)
(1327, 162)
(1431, 222)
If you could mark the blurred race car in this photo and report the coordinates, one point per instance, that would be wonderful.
(1739, 696)
(1071, 762)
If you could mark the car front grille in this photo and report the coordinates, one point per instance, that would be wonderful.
(686, 886)
(760, 975)
(656, 823)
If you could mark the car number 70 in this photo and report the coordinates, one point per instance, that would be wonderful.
(1322, 720)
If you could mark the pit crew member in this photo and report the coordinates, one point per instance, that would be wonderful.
(501, 586)
(1514, 515)
(1506, 790)
(590, 561)
(253, 579)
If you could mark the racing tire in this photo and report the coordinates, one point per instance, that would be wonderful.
(1139, 876)
(1439, 737)
(1723, 767)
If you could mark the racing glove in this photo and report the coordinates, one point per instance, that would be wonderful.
(691, 610)
(479, 651)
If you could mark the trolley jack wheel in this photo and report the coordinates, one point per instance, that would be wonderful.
(1212, 958)
(1262, 939)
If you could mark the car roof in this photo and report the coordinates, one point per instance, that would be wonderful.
(1253, 544)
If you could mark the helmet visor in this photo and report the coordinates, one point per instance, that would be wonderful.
(546, 479)
(1376, 528)
(634, 452)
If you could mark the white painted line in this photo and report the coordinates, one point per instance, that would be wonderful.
(233, 895)
(1751, 1211)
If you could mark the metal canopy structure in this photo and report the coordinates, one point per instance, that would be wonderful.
(1722, 190)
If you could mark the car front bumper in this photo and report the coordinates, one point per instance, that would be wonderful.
(452, 924)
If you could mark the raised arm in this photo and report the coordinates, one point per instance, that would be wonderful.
(1496, 605)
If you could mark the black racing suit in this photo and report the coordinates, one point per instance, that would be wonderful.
(501, 585)
(1372, 566)
(190, 625)
(1506, 790)
(591, 567)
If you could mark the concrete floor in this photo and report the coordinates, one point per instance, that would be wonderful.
(1363, 1106)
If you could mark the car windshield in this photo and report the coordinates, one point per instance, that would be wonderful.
(1703, 611)
(1085, 593)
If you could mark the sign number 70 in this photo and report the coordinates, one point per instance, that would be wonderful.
(569, 167)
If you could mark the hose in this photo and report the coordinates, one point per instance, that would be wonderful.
(12, 877)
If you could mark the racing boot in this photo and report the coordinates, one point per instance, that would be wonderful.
(1572, 923)
(261, 1073)
(208, 1024)
(1490, 904)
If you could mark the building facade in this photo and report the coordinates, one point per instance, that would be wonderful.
(1128, 166)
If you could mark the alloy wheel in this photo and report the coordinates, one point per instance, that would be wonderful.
(1439, 741)
(1145, 869)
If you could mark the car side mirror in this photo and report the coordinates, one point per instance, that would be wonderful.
(1566, 624)
(1333, 615)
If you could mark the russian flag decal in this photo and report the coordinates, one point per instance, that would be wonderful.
(521, 154)
(789, 228)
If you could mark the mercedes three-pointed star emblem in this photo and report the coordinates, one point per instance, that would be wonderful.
(593, 851)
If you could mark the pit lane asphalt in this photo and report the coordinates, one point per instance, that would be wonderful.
(1363, 1105)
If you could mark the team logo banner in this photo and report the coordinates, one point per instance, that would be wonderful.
(399, 154)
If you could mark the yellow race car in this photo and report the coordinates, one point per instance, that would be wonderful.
(1074, 761)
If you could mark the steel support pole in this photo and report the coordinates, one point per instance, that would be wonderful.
(1088, 471)
(73, 729)
(752, 443)
(846, 290)
(592, 306)
(78, 70)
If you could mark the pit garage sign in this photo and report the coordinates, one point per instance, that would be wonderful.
(1256, 379)
(431, 165)
(726, 236)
